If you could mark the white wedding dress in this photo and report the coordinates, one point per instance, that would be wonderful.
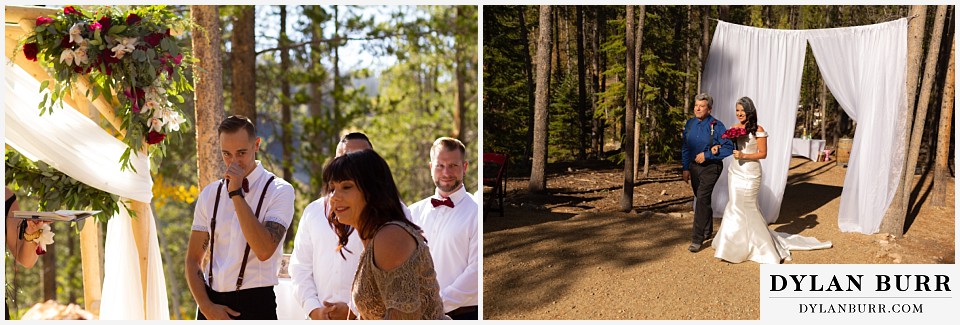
(743, 233)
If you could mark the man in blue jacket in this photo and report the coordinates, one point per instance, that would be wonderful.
(703, 152)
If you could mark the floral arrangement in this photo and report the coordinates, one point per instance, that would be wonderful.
(131, 60)
(734, 133)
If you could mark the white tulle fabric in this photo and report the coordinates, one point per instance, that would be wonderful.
(743, 234)
(78, 147)
(864, 69)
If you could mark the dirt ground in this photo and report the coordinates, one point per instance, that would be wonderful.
(573, 255)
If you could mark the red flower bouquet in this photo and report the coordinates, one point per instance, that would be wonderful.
(733, 134)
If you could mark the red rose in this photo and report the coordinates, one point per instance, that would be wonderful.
(95, 26)
(43, 20)
(154, 137)
(154, 39)
(30, 51)
(107, 57)
(177, 59)
(65, 42)
(133, 19)
(70, 10)
(105, 23)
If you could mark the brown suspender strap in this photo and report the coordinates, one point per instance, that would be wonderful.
(213, 227)
(246, 252)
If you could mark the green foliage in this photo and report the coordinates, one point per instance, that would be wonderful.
(507, 108)
(55, 190)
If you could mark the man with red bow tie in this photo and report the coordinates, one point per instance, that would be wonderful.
(248, 211)
(449, 223)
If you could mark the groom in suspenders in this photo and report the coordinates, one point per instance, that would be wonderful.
(247, 211)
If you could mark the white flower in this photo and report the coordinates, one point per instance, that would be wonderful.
(46, 237)
(173, 125)
(124, 45)
(75, 33)
(80, 55)
(150, 106)
(68, 56)
(155, 124)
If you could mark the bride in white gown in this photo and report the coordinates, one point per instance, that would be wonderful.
(743, 233)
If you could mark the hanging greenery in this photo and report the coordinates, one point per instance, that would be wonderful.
(130, 59)
(54, 190)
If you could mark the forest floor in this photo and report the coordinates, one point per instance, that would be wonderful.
(571, 254)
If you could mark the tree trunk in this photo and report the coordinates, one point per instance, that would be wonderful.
(581, 86)
(528, 69)
(638, 99)
(597, 72)
(286, 123)
(626, 201)
(943, 143)
(208, 90)
(893, 224)
(538, 180)
(243, 59)
(704, 46)
(320, 134)
(337, 82)
(459, 113)
(686, 70)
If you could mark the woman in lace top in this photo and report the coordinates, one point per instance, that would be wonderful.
(395, 278)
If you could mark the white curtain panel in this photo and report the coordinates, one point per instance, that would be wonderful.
(864, 67)
(765, 65)
(122, 297)
(69, 141)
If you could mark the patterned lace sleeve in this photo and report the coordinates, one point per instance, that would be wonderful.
(400, 288)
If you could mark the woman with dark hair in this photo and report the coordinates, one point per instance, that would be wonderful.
(23, 248)
(743, 233)
(395, 278)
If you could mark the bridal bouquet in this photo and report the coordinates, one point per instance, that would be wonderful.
(129, 58)
(733, 134)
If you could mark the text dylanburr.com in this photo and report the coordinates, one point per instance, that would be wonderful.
(858, 292)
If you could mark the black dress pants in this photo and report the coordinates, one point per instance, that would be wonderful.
(254, 303)
(703, 177)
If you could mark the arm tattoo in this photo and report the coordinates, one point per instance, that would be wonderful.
(276, 230)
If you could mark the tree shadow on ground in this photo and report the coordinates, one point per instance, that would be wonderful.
(522, 209)
(917, 199)
(799, 199)
(550, 251)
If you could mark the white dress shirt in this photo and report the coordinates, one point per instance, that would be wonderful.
(229, 242)
(319, 272)
(451, 234)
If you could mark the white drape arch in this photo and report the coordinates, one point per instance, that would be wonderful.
(78, 147)
(864, 67)
(765, 65)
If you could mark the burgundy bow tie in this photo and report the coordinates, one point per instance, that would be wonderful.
(446, 201)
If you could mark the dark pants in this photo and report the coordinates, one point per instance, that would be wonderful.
(703, 178)
(465, 313)
(253, 303)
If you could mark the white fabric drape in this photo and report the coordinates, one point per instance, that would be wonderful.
(765, 65)
(121, 297)
(865, 67)
(78, 147)
(69, 141)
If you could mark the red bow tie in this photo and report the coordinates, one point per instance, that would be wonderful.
(446, 201)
